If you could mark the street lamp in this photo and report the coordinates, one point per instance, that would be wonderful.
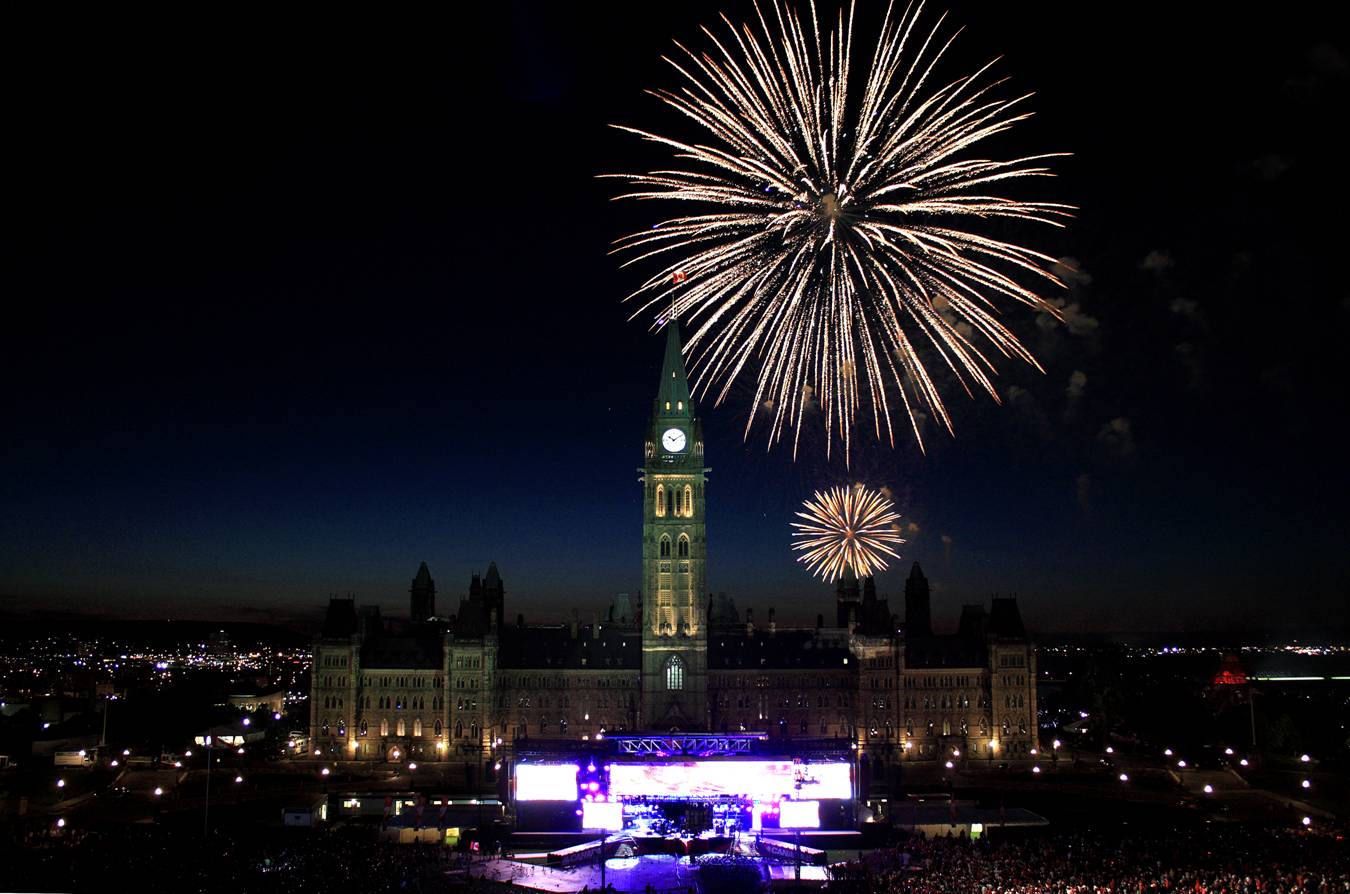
(1036, 768)
(1124, 777)
(60, 783)
(61, 823)
(1209, 789)
(158, 791)
(1307, 783)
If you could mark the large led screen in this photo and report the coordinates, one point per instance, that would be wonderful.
(799, 815)
(759, 780)
(602, 815)
(546, 782)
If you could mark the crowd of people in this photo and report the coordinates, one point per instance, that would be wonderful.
(1203, 859)
(152, 859)
(1209, 859)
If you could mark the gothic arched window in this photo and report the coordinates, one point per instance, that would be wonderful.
(402, 728)
(417, 727)
(363, 728)
(660, 499)
(688, 509)
(684, 547)
(438, 729)
(674, 673)
(665, 547)
(384, 727)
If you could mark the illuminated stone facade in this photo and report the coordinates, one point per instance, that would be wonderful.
(466, 687)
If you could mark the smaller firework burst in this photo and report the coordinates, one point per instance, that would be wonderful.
(847, 527)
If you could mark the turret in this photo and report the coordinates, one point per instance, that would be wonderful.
(423, 595)
(918, 617)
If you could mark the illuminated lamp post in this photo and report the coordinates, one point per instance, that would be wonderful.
(206, 810)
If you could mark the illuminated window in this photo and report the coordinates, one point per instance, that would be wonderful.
(674, 673)
(384, 727)
(660, 500)
(417, 727)
(363, 728)
(688, 509)
(665, 547)
(679, 405)
(438, 729)
(402, 728)
(684, 547)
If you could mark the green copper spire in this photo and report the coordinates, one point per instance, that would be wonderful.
(673, 396)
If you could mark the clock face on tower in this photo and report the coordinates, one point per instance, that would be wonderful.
(673, 440)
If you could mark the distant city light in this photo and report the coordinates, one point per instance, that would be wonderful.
(61, 823)
(1305, 758)
(158, 791)
(238, 779)
(950, 765)
(1055, 744)
(1181, 764)
(60, 783)
(247, 721)
(1110, 750)
(1307, 821)
(1124, 777)
(324, 771)
(113, 764)
(1228, 751)
(1167, 752)
(1035, 769)
(126, 752)
(187, 753)
(1209, 789)
(1307, 783)
(412, 766)
(276, 716)
(1243, 762)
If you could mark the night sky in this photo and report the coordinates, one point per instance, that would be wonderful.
(292, 305)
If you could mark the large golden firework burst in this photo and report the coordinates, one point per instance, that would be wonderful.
(837, 247)
(847, 527)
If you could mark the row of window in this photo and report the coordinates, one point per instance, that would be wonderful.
(681, 547)
(403, 682)
(681, 501)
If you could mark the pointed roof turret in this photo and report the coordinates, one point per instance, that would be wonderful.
(493, 577)
(916, 572)
(673, 395)
(423, 575)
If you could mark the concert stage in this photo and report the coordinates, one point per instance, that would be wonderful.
(691, 786)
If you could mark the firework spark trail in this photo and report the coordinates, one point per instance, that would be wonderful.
(846, 528)
(830, 250)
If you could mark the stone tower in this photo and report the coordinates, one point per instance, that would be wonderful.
(918, 613)
(674, 555)
(423, 594)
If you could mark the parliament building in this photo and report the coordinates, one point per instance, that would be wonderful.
(471, 685)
